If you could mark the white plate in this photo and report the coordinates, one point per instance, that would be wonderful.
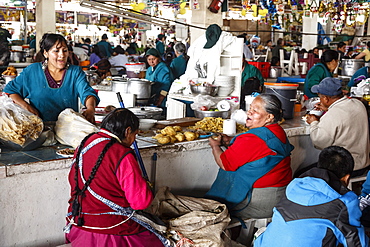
(65, 153)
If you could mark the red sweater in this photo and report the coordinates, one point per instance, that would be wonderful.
(118, 180)
(248, 147)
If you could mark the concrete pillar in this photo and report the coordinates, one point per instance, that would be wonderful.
(309, 26)
(45, 19)
(202, 17)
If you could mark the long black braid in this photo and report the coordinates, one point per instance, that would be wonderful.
(80, 193)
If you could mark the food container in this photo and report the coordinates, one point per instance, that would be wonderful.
(146, 124)
(204, 90)
(135, 70)
(203, 114)
(147, 112)
(133, 74)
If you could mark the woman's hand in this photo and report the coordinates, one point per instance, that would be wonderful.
(89, 114)
(215, 141)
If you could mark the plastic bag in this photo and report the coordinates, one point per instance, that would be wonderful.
(71, 128)
(204, 100)
(18, 125)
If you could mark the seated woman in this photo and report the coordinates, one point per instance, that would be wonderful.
(329, 62)
(255, 168)
(102, 208)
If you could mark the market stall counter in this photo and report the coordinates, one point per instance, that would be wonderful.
(35, 186)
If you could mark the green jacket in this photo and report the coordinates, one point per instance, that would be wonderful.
(314, 76)
(251, 71)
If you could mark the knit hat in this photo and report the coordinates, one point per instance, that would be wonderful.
(153, 52)
(213, 33)
(328, 86)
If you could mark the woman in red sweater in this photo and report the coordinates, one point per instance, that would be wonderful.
(107, 188)
(255, 168)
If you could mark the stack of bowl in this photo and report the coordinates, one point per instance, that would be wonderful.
(226, 85)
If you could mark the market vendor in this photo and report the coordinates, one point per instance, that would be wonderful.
(160, 74)
(53, 85)
(329, 62)
(255, 168)
(102, 208)
(178, 65)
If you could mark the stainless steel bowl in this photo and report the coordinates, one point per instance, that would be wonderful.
(203, 114)
(204, 90)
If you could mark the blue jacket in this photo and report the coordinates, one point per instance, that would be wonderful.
(32, 84)
(105, 48)
(162, 77)
(178, 66)
(317, 211)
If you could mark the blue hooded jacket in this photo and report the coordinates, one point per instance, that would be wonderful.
(317, 211)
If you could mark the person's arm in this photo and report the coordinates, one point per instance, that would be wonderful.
(89, 113)
(348, 222)
(322, 132)
(135, 188)
(22, 103)
(216, 150)
(361, 55)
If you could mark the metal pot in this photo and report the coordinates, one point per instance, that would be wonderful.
(275, 72)
(142, 89)
(350, 66)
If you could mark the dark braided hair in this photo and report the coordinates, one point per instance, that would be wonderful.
(116, 122)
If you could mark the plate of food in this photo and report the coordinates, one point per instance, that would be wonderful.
(66, 152)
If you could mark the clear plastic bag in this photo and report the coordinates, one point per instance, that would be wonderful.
(204, 100)
(18, 125)
(71, 128)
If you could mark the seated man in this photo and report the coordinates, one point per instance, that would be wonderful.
(344, 124)
(318, 209)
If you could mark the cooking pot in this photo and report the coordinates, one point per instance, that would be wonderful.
(120, 86)
(350, 66)
(142, 89)
(275, 72)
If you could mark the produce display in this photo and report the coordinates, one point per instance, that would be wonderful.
(172, 134)
(12, 71)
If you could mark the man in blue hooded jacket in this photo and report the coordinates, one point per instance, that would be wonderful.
(318, 209)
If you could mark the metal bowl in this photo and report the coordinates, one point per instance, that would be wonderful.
(203, 114)
(204, 90)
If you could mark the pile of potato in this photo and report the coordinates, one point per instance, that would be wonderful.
(172, 134)
(10, 71)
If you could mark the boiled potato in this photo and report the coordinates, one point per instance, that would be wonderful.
(158, 136)
(180, 137)
(173, 139)
(168, 131)
(164, 140)
(177, 128)
(190, 136)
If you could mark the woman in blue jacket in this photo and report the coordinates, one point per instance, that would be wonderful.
(53, 85)
(178, 65)
(160, 74)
